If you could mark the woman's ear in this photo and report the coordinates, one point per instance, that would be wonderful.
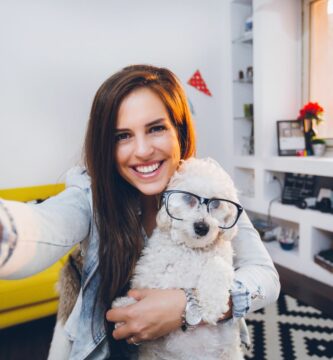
(163, 220)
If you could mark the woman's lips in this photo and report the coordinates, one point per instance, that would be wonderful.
(148, 170)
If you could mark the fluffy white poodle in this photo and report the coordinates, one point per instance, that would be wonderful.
(191, 248)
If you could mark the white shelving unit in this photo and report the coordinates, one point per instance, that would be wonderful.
(242, 63)
(276, 94)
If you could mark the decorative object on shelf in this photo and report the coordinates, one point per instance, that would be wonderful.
(287, 238)
(329, 147)
(308, 192)
(318, 146)
(266, 229)
(306, 202)
(240, 75)
(246, 76)
(297, 188)
(249, 73)
(324, 200)
(248, 142)
(248, 110)
(290, 138)
(325, 259)
(248, 25)
(199, 83)
(311, 116)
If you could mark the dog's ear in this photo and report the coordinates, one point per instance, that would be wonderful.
(163, 220)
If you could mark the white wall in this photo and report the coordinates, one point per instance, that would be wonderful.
(54, 56)
(278, 64)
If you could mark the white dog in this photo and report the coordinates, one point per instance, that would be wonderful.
(191, 248)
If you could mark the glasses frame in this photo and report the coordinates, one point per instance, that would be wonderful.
(165, 201)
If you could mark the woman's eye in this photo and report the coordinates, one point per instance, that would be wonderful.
(157, 128)
(122, 136)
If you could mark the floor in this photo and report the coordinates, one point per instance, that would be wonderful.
(29, 341)
(32, 340)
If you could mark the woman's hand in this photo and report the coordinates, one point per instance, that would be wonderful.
(157, 313)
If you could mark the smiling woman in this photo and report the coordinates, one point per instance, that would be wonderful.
(139, 129)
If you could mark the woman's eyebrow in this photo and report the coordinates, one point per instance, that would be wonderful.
(154, 122)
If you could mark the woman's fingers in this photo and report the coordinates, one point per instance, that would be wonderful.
(122, 332)
(118, 315)
(132, 341)
(157, 313)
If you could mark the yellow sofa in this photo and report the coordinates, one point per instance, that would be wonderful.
(33, 297)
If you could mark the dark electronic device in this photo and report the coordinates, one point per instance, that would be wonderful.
(298, 187)
(324, 205)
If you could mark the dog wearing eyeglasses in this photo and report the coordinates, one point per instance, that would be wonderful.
(191, 248)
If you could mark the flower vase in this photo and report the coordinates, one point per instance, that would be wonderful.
(310, 131)
(319, 149)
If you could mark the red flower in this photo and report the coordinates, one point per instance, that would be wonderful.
(311, 111)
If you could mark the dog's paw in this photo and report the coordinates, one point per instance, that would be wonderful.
(213, 289)
(123, 301)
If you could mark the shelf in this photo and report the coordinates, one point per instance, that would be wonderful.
(292, 213)
(291, 259)
(250, 118)
(246, 38)
(303, 165)
(242, 2)
(245, 161)
(259, 177)
(280, 256)
(248, 82)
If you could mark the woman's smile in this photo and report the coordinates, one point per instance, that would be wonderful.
(149, 169)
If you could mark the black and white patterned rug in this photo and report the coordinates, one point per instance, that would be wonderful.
(290, 330)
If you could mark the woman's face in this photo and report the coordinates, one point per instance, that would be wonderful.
(147, 146)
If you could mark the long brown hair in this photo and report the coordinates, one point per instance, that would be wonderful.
(114, 200)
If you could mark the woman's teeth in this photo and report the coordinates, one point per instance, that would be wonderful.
(147, 169)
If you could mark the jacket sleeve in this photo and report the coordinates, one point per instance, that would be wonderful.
(34, 236)
(255, 270)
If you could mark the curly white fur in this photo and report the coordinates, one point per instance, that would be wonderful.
(176, 257)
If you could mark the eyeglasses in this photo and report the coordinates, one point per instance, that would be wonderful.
(178, 203)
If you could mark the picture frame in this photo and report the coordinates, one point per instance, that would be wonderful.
(290, 137)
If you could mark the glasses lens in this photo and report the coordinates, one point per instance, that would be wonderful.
(223, 211)
(180, 203)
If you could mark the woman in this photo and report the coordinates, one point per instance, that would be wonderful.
(139, 129)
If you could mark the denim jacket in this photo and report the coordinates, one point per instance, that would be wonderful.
(36, 236)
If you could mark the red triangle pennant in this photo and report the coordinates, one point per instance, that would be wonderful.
(199, 83)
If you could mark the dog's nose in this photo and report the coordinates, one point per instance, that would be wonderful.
(201, 228)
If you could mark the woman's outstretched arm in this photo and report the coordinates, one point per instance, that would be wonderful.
(33, 237)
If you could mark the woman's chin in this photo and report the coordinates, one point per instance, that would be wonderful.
(151, 189)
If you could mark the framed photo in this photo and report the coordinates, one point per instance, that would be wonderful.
(290, 136)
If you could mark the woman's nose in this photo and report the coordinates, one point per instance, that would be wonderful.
(143, 147)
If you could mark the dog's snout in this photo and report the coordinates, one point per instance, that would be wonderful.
(201, 228)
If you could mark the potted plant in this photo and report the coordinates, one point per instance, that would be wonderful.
(311, 115)
(318, 146)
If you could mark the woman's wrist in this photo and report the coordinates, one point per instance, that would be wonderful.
(241, 299)
(192, 314)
